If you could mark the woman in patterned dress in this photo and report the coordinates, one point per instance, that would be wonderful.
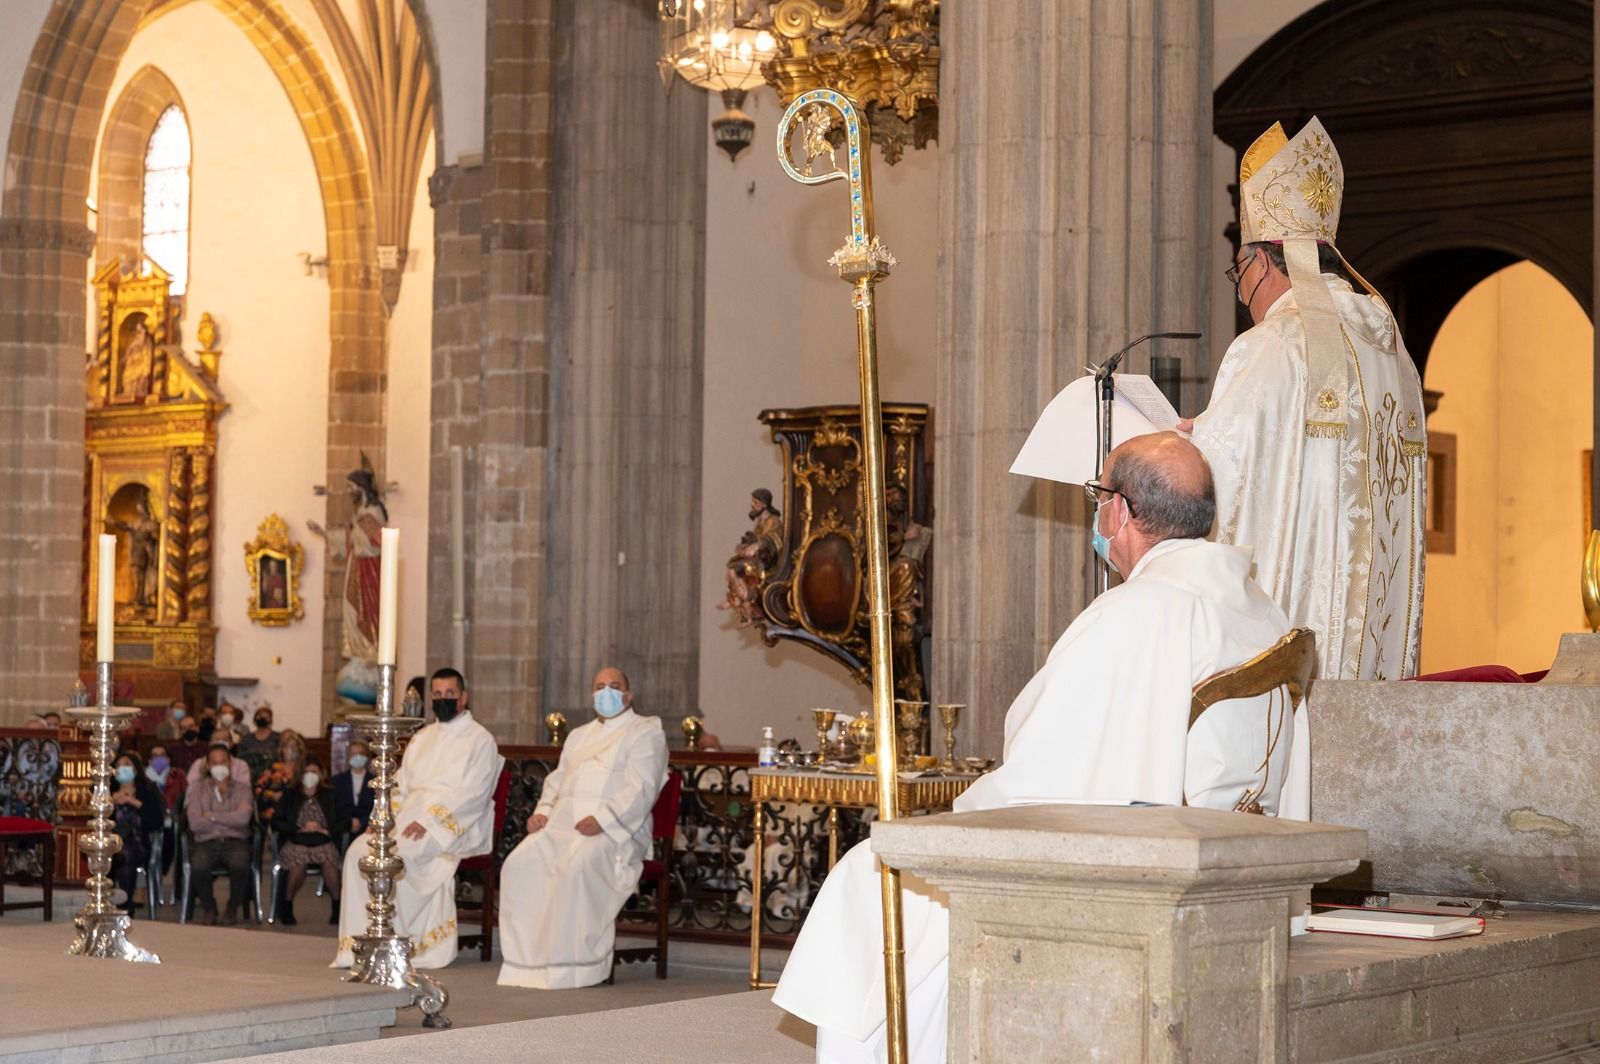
(303, 819)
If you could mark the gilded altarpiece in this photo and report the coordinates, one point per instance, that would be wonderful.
(150, 454)
(816, 592)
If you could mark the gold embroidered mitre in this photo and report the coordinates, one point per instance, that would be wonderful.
(1290, 189)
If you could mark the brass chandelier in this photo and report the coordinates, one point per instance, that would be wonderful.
(884, 54)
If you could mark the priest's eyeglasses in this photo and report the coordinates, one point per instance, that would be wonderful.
(1093, 488)
(1233, 274)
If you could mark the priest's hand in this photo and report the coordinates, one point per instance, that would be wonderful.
(588, 826)
(537, 821)
(1185, 424)
(414, 831)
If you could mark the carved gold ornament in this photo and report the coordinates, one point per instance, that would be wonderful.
(274, 563)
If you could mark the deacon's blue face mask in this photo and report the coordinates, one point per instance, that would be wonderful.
(1102, 544)
(608, 702)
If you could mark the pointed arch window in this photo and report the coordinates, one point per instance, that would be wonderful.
(166, 197)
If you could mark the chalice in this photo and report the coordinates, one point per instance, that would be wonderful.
(557, 725)
(910, 730)
(693, 730)
(949, 716)
(824, 719)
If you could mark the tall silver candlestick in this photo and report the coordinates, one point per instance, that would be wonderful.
(102, 927)
(383, 956)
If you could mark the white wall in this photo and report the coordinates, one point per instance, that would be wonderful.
(460, 32)
(255, 205)
(780, 333)
(406, 446)
(1515, 363)
(20, 23)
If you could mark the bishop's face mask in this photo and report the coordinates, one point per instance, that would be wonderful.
(608, 702)
(445, 709)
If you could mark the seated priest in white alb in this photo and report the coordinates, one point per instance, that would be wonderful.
(1104, 721)
(443, 812)
(562, 887)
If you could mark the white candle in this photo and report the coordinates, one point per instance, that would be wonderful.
(105, 621)
(388, 595)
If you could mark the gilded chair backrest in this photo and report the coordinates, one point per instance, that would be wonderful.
(1287, 665)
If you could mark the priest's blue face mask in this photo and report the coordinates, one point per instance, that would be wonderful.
(608, 702)
(1102, 542)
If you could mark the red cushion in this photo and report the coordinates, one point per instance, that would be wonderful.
(24, 825)
(475, 864)
(654, 870)
(1475, 674)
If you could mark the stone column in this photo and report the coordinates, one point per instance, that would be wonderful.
(490, 384)
(1117, 933)
(623, 483)
(1075, 140)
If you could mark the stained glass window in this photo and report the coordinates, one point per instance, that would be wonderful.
(166, 197)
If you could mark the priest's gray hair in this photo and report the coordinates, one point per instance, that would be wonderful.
(1328, 260)
(1166, 500)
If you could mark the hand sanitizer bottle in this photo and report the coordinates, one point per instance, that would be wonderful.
(768, 754)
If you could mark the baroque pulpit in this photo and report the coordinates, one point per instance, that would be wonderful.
(150, 458)
(800, 573)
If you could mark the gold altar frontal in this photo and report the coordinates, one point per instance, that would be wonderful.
(834, 790)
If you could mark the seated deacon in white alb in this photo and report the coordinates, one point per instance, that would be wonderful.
(1104, 721)
(443, 812)
(562, 887)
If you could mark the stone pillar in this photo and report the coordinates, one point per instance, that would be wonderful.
(1149, 934)
(623, 487)
(1075, 141)
(491, 360)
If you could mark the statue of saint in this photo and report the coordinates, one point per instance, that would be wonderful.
(138, 359)
(363, 554)
(757, 555)
(144, 545)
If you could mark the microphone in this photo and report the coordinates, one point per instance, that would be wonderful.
(1103, 372)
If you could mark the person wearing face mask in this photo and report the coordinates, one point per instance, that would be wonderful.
(351, 793)
(219, 811)
(137, 812)
(259, 748)
(1315, 430)
(304, 821)
(171, 782)
(1106, 720)
(562, 887)
(172, 725)
(188, 747)
(444, 811)
(228, 729)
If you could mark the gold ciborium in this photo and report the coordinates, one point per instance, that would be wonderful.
(860, 730)
(909, 729)
(693, 729)
(556, 723)
(824, 720)
(950, 716)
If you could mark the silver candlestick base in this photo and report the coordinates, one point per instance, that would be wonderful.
(383, 956)
(102, 927)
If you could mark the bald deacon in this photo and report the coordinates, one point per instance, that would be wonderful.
(1104, 721)
(562, 887)
(443, 811)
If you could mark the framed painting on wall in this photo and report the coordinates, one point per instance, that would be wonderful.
(274, 563)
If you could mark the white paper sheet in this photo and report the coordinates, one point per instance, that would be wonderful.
(1061, 446)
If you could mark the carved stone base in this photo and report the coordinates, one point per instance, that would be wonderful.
(386, 961)
(106, 935)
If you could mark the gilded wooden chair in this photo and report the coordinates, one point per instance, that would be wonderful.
(1286, 666)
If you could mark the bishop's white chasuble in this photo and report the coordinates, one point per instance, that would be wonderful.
(446, 783)
(1104, 721)
(1335, 512)
(560, 890)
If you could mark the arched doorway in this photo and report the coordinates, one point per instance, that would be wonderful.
(1466, 128)
(1510, 443)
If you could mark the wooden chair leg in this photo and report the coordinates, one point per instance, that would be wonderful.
(49, 876)
(663, 889)
(491, 882)
(2, 875)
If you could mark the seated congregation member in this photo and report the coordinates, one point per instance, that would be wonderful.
(259, 748)
(219, 810)
(282, 777)
(172, 723)
(304, 820)
(171, 783)
(1104, 721)
(443, 811)
(351, 794)
(238, 768)
(562, 887)
(136, 812)
(188, 747)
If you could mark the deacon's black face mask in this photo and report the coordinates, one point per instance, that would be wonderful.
(444, 708)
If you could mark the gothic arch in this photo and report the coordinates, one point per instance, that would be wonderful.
(119, 199)
(1467, 132)
(44, 243)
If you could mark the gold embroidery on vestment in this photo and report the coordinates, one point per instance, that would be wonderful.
(1326, 430)
(441, 814)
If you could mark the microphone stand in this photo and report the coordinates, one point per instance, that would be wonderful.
(1108, 396)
